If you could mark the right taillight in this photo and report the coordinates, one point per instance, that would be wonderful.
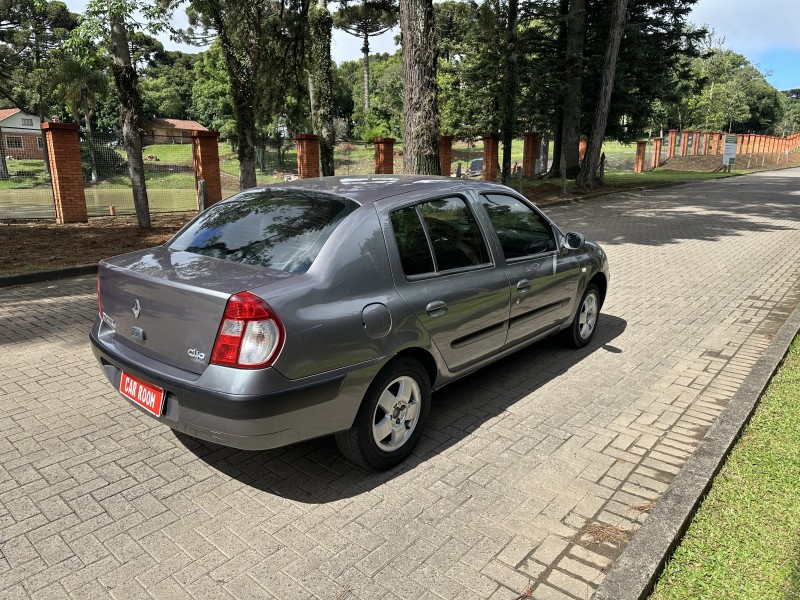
(250, 334)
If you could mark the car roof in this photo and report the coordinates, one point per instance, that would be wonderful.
(366, 189)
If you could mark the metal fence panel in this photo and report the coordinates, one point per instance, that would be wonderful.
(168, 169)
(26, 190)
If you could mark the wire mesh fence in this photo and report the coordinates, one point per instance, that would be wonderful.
(26, 191)
(168, 171)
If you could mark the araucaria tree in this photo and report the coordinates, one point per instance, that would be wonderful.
(263, 42)
(420, 93)
(364, 20)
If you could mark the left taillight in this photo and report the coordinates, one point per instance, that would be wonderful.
(250, 335)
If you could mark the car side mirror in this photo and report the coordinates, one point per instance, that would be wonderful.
(573, 241)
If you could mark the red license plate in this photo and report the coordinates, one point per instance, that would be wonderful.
(149, 397)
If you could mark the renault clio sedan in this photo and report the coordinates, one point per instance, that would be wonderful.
(336, 306)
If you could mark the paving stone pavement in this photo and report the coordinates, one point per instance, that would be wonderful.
(534, 471)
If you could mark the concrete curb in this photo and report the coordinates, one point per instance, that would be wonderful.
(37, 276)
(636, 571)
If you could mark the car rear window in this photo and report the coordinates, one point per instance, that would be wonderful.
(281, 229)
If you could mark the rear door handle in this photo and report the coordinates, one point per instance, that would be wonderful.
(523, 286)
(437, 308)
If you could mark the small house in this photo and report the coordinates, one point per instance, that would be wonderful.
(170, 131)
(20, 135)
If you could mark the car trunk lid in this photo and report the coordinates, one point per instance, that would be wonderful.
(169, 304)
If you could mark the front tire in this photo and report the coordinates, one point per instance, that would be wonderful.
(584, 325)
(390, 420)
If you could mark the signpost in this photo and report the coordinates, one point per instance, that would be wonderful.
(729, 153)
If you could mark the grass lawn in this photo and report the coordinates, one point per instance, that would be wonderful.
(744, 541)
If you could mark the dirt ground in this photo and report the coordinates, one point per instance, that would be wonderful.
(37, 246)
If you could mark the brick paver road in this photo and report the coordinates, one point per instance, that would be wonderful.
(532, 471)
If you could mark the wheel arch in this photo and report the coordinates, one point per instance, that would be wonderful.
(424, 358)
(599, 279)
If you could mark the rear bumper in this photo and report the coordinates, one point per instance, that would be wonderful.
(271, 411)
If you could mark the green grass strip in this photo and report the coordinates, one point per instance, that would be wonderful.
(744, 541)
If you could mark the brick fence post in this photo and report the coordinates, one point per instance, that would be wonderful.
(715, 143)
(739, 144)
(656, 162)
(641, 148)
(205, 157)
(384, 155)
(673, 138)
(307, 155)
(696, 143)
(684, 143)
(66, 172)
(490, 144)
(445, 154)
(530, 152)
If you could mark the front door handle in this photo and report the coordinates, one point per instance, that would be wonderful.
(523, 286)
(437, 308)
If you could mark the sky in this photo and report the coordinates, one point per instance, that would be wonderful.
(766, 32)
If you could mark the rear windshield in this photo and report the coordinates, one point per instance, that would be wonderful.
(281, 229)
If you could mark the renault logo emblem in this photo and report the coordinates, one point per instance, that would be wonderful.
(136, 309)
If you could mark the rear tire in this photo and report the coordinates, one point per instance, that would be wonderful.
(583, 327)
(391, 418)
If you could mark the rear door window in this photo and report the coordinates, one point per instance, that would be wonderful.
(281, 229)
(438, 235)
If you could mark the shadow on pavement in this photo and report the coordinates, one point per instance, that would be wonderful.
(732, 207)
(315, 472)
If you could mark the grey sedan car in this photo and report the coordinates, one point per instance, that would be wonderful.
(336, 306)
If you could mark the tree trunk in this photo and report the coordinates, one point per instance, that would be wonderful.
(321, 83)
(573, 73)
(420, 98)
(3, 164)
(509, 99)
(586, 178)
(130, 114)
(558, 99)
(365, 51)
(89, 113)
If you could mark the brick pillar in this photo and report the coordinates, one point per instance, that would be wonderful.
(581, 149)
(384, 156)
(445, 154)
(490, 157)
(715, 143)
(761, 144)
(748, 144)
(739, 144)
(530, 152)
(65, 172)
(695, 142)
(205, 156)
(673, 138)
(685, 143)
(641, 148)
(307, 155)
(656, 152)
